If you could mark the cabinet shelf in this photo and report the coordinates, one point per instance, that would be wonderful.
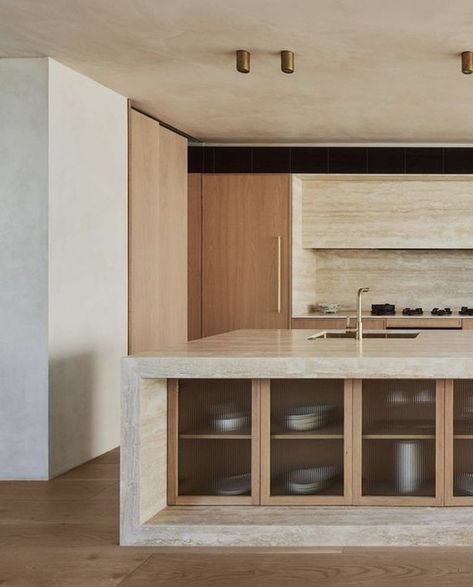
(213, 435)
(306, 436)
(414, 430)
(335, 488)
(334, 431)
(388, 489)
(398, 436)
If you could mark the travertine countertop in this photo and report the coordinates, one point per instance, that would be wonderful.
(289, 353)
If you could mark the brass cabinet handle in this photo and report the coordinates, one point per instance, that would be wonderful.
(279, 245)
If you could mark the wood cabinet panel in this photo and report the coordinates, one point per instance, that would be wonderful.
(337, 323)
(203, 458)
(437, 323)
(194, 254)
(245, 248)
(319, 323)
(458, 442)
(157, 235)
(370, 323)
(372, 424)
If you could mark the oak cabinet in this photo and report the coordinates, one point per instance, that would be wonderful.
(306, 429)
(245, 252)
(157, 211)
(213, 432)
(387, 442)
(398, 442)
(459, 442)
(337, 323)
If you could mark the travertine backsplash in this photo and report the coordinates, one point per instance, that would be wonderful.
(412, 278)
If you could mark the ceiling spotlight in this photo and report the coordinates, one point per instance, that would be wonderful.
(287, 61)
(243, 61)
(467, 62)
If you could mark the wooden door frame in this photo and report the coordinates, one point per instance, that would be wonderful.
(450, 498)
(173, 497)
(388, 500)
(266, 497)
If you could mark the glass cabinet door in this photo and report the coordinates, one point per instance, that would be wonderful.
(398, 439)
(306, 441)
(459, 442)
(214, 448)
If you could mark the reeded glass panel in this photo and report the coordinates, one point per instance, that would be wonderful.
(399, 467)
(214, 437)
(307, 445)
(398, 437)
(307, 467)
(463, 437)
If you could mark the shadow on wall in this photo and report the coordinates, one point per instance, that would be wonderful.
(72, 413)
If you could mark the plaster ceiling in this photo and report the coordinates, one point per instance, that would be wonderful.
(366, 70)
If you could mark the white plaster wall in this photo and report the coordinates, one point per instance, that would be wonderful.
(23, 268)
(87, 265)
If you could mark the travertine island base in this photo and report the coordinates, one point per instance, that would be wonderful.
(223, 436)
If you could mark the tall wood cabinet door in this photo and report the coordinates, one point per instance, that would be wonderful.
(245, 246)
(157, 208)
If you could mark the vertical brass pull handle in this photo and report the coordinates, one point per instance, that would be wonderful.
(279, 245)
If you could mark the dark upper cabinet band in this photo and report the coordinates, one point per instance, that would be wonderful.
(330, 160)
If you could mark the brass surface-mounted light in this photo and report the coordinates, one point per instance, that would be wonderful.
(287, 61)
(467, 62)
(243, 61)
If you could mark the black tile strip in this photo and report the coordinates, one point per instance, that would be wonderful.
(386, 160)
(458, 160)
(232, 160)
(309, 160)
(271, 160)
(347, 160)
(330, 160)
(424, 160)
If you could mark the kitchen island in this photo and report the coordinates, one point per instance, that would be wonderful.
(223, 436)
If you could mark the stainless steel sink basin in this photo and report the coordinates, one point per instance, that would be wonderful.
(352, 334)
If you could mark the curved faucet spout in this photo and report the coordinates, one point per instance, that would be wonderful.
(359, 322)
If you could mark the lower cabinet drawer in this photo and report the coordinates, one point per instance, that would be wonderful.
(319, 323)
(421, 323)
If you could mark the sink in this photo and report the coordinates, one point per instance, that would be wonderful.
(378, 334)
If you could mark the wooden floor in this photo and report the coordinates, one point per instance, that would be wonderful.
(64, 533)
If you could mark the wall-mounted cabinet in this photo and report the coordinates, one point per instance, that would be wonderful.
(320, 442)
(385, 212)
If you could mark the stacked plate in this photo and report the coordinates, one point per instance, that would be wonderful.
(229, 418)
(402, 397)
(234, 485)
(311, 480)
(464, 483)
(306, 418)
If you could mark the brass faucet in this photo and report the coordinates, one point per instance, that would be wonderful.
(359, 322)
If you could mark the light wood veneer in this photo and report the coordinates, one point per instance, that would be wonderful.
(157, 235)
(245, 249)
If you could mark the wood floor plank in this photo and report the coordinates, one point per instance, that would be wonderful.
(66, 566)
(291, 570)
(64, 533)
(57, 489)
(105, 471)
